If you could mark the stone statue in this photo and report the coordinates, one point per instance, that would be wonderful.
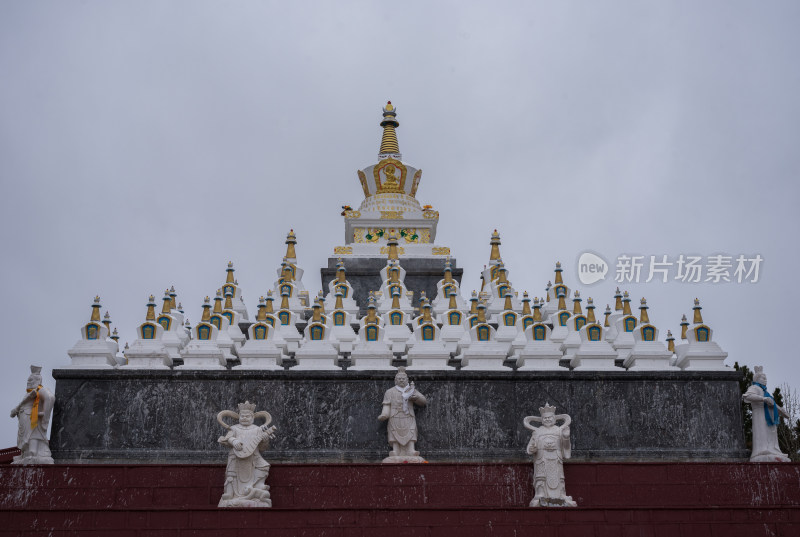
(398, 409)
(549, 445)
(766, 415)
(33, 413)
(246, 472)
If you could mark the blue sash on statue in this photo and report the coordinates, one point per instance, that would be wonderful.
(772, 417)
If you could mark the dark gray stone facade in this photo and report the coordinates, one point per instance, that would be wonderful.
(170, 416)
(363, 273)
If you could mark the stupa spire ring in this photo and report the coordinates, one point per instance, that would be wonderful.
(389, 145)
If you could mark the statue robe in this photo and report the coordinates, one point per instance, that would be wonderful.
(26, 433)
(550, 450)
(246, 466)
(765, 437)
(402, 425)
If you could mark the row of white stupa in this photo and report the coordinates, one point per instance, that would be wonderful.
(495, 331)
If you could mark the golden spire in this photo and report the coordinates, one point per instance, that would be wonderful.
(547, 290)
(115, 335)
(286, 271)
(228, 300)
(262, 313)
(172, 295)
(151, 309)
(670, 342)
(590, 311)
(321, 300)
(608, 314)
(338, 305)
(684, 326)
(394, 274)
(481, 313)
(453, 304)
(507, 303)
(372, 318)
(426, 312)
(395, 299)
(167, 302)
(392, 242)
(501, 273)
(291, 240)
(389, 145)
(643, 317)
(218, 302)
(269, 302)
(558, 273)
(562, 304)
(340, 271)
(698, 318)
(618, 300)
(537, 310)
(526, 304)
(495, 242)
(206, 310)
(95, 309)
(473, 308)
(576, 304)
(229, 270)
(626, 304)
(285, 300)
(107, 321)
(316, 317)
(448, 272)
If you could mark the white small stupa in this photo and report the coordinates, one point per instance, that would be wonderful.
(485, 352)
(148, 350)
(202, 352)
(700, 353)
(260, 351)
(94, 350)
(341, 285)
(427, 350)
(539, 352)
(371, 352)
(648, 353)
(316, 353)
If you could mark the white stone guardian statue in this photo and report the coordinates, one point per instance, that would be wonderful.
(549, 445)
(398, 410)
(33, 413)
(766, 415)
(246, 472)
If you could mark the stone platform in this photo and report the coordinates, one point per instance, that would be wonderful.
(363, 273)
(170, 416)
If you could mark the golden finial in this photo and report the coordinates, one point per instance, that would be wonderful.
(338, 304)
(167, 302)
(372, 318)
(389, 145)
(285, 300)
(107, 321)
(494, 255)
(608, 314)
(698, 318)
(426, 312)
(473, 308)
(507, 304)
(151, 309)
(670, 342)
(448, 272)
(340, 272)
(643, 317)
(537, 310)
(269, 300)
(172, 295)
(392, 242)
(395, 299)
(626, 304)
(684, 326)
(115, 335)
(576, 304)
(562, 301)
(394, 274)
(95, 309)
(316, 316)
(453, 304)
(321, 300)
(262, 310)
(501, 273)
(228, 300)
(558, 273)
(481, 313)
(618, 300)
(526, 304)
(206, 310)
(590, 311)
(229, 277)
(218, 302)
(291, 240)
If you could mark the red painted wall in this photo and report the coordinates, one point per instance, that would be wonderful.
(431, 499)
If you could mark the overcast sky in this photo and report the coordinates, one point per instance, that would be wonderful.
(145, 144)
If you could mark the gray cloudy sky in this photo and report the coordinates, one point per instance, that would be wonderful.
(145, 144)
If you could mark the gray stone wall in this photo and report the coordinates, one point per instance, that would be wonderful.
(170, 416)
(363, 273)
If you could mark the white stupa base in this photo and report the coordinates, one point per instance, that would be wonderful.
(433, 359)
(594, 356)
(202, 356)
(369, 360)
(266, 359)
(656, 361)
(314, 356)
(146, 360)
(702, 363)
(477, 358)
(93, 355)
(545, 359)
